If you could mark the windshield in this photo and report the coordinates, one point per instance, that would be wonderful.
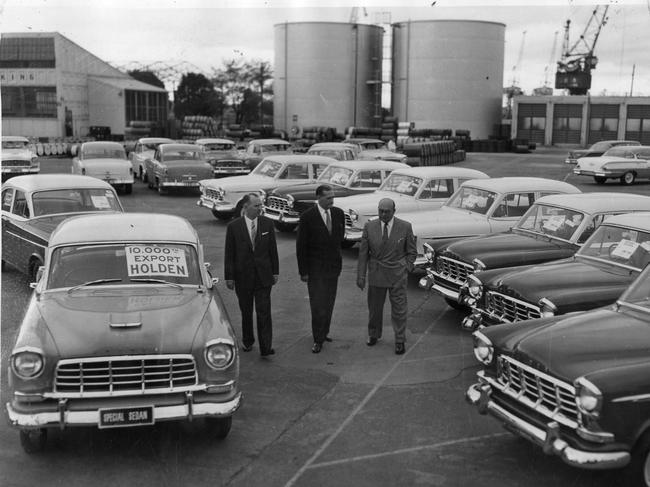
(182, 155)
(103, 152)
(123, 263)
(399, 183)
(639, 292)
(153, 145)
(75, 200)
(336, 175)
(552, 221)
(275, 147)
(618, 245)
(14, 144)
(334, 154)
(472, 199)
(210, 147)
(267, 168)
(620, 151)
(600, 146)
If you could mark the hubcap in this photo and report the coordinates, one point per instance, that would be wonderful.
(629, 177)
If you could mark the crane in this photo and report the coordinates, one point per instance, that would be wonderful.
(514, 89)
(575, 65)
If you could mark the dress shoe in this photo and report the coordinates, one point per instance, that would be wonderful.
(399, 348)
(371, 342)
(267, 352)
(316, 348)
(247, 348)
(328, 339)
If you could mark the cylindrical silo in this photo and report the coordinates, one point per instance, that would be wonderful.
(327, 74)
(448, 74)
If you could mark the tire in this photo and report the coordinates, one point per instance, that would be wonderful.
(628, 178)
(456, 305)
(222, 216)
(219, 427)
(33, 441)
(638, 471)
(347, 244)
(128, 188)
(600, 179)
(285, 227)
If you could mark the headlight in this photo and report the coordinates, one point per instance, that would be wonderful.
(219, 354)
(354, 216)
(483, 348)
(290, 201)
(478, 266)
(474, 286)
(27, 363)
(546, 308)
(589, 399)
(429, 253)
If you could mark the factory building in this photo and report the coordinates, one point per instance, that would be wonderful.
(51, 87)
(580, 120)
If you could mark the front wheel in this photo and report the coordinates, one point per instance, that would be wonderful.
(628, 178)
(285, 227)
(600, 179)
(33, 441)
(638, 471)
(219, 427)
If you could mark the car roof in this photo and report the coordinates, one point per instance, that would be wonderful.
(370, 164)
(619, 141)
(155, 140)
(118, 227)
(332, 145)
(165, 147)
(598, 202)
(442, 172)
(640, 220)
(269, 141)
(360, 140)
(214, 141)
(102, 143)
(507, 184)
(293, 158)
(14, 138)
(631, 148)
(41, 182)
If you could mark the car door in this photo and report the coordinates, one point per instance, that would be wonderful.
(509, 209)
(434, 193)
(643, 160)
(10, 242)
(17, 245)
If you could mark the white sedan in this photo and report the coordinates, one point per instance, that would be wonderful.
(625, 163)
(106, 161)
(143, 150)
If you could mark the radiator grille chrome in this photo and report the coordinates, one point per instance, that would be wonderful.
(213, 194)
(348, 220)
(545, 394)
(16, 162)
(120, 375)
(276, 203)
(509, 309)
(452, 270)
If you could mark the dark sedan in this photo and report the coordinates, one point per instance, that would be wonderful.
(177, 166)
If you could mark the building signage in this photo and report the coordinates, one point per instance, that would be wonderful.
(23, 77)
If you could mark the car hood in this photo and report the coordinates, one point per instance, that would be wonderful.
(581, 343)
(240, 183)
(13, 154)
(446, 222)
(80, 322)
(366, 204)
(509, 249)
(590, 163)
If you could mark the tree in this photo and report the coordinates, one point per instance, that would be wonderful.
(147, 77)
(196, 96)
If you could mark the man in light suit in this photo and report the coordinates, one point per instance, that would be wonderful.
(251, 269)
(387, 252)
(318, 249)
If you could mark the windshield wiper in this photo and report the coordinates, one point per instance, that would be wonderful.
(90, 283)
(159, 281)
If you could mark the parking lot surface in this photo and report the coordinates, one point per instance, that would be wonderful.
(351, 415)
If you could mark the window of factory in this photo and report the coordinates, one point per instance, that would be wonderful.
(27, 52)
(146, 106)
(531, 122)
(567, 122)
(603, 123)
(29, 101)
(637, 126)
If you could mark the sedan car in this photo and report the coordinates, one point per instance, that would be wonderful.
(412, 189)
(17, 157)
(555, 227)
(285, 204)
(577, 386)
(177, 166)
(596, 150)
(144, 149)
(106, 161)
(625, 163)
(481, 207)
(32, 207)
(125, 328)
(223, 196)
(376, 149)
(595, 276)
(336, 150)
(258, 149)
(224, 157)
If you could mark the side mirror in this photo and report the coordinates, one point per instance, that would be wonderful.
(39, 276)
(215, 281)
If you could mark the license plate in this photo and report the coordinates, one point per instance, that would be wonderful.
(122, 417)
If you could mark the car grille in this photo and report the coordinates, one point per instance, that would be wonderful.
(453, 270)
(121, 375)
(547, 395)
(278, 204)
(213, 194)
(509, 309)
(18, 162)
(227, 163)
(348, 220)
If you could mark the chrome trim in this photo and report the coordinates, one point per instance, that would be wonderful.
(27, 240)
(635, 398)
(218, 341)
(444, 292)
(492, 296)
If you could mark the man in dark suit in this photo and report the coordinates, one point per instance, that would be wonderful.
(251, 269)
(387, 252)
(318, 248)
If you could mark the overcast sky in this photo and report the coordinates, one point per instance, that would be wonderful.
(207, 32)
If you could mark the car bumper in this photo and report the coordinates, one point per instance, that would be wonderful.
(549, 439)
(353, 234)
(282, 217)
(230, 171)
(218, 206)
(600, 174)
(570, 160)
(179, 184)
(183, 407)
(20, 170)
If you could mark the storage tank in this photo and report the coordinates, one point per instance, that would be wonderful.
(327, 74)
(448, 74)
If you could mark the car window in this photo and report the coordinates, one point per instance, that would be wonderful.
(276, 147)
(7, 198)
(103, 152)
(643, 154)
(514, 205)
(334, 154)
(14, 144)
(20, 207)
(218, 146)
(402, 184)
(366, 179)
(552, 221)
(267, 168)
(181, 155)
(74, 200)
(472, 199)
(336, 175)
(318, 169)
(618, 245)
(294, 171)
(436, 189)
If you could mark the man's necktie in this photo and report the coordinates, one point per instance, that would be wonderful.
(328, 221)
(384, 235)
(253, 232)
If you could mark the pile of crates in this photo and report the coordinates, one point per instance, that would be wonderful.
(433, 153)
(199, 126)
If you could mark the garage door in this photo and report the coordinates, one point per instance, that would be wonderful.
(603, 123)
(531, 122)
(567, 123)
(637, 126)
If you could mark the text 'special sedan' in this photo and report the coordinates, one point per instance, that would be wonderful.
(625, 163)
(33, 206)
(124, 328)
(553, 228)
(18, 157)
(177, 166)
(106, 161)
(595, 276)
(578, 386)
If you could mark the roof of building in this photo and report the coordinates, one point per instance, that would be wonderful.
(126, 83)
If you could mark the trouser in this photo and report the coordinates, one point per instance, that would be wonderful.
(261, 298)
(398, 308)
(322, 294)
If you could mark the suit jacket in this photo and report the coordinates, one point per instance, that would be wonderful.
(318, 251)
(386, 262)
(241, 263)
